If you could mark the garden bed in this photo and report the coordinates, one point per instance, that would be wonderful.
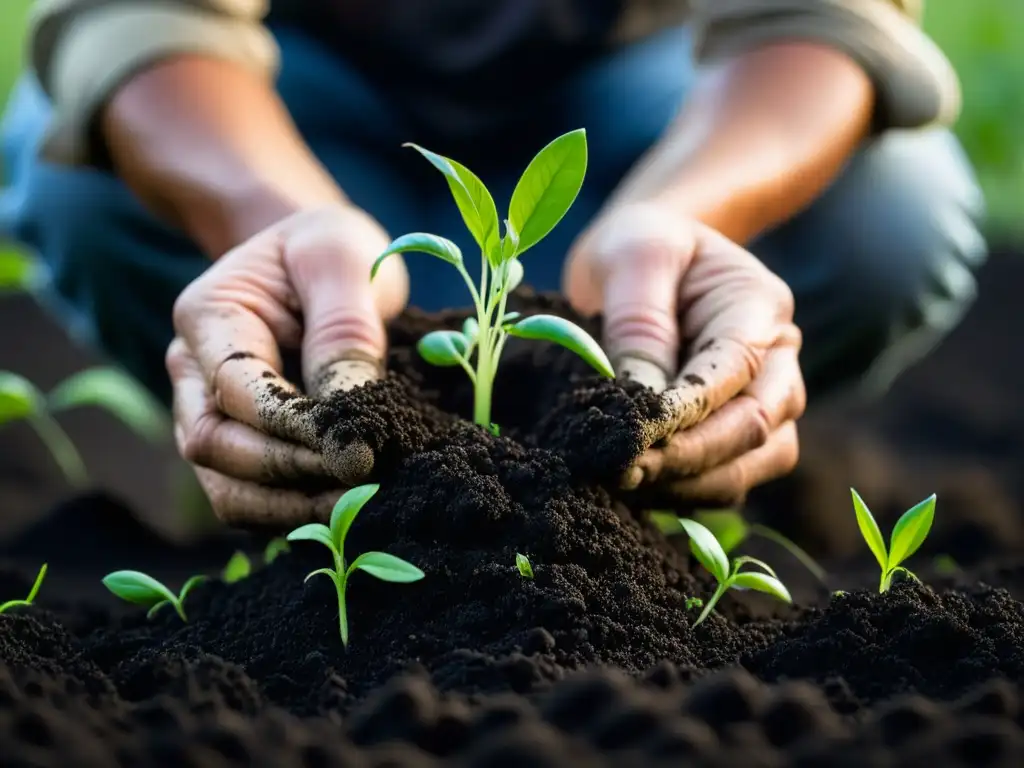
(593, 662)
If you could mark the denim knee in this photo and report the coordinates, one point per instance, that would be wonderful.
(882, 265)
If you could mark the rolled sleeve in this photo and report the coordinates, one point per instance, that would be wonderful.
(915, 85)
(83, 50)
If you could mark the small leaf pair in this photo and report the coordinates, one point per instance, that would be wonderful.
(729, 575)
(907, 536)
(140, 589)
(378, 564)
(4, 607)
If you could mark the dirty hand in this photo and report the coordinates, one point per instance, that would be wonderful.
(662, 281)
(303, 283)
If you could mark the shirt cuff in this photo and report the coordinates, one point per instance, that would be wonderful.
(81, 59)
(915, 85)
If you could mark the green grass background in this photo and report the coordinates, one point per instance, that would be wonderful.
(982, 37)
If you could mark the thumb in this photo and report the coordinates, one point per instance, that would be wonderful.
(344, 342)
(640, 291)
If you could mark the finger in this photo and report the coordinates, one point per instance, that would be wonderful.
(206, 438)
(343, 310)
(728, 485)
(739, 426)
(240, 503)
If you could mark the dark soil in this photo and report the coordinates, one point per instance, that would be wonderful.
(593, 662)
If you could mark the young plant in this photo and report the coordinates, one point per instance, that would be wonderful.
(729, 576)
(140, 589)
(907, 536)
(275, 548)
(692, 603)
(18, 271)
(379, 564)
(4, 607)
(731, 529)
(543, 195)
(524, 566)
(108, 388)
(238, 568)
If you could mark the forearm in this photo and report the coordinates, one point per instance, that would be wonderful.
(208, 145)
(759, 140)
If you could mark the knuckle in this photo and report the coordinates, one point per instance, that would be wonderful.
(199, 445)
(176, 359)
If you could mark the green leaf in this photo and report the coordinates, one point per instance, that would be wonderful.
(313, 532)
(572, 337)
(119, 393)
(18, 270)
(138, 588)
(421, 242)
(238, 568)
(708, 551)
(443, 348)
(666, 522)
(345, 511)
(762, 583)
(510, 242)
(189, 585)
(329, 572)
(515, 275)
(548, 188)
(739, 562)
(387, 567)
(471, 196)
(869, 530)
(524, 566)
(728, 526)
(911, 530)
(511, 317)
(275, 548)
(19, 398)
(471, 329)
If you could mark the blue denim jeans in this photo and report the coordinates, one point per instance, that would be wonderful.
(881, 264)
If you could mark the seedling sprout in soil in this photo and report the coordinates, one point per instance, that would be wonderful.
(275, 548)
(140, 589)
(108, 388)
(4, 607)
(238, 568)
(731, 530)
(380, 564)
(523, 564)
(907, 537)
(542, 196)
(729, 576)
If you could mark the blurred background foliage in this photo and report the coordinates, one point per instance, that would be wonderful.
(983, 38)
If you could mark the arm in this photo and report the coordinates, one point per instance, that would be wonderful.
(177, 98)
(759, 140)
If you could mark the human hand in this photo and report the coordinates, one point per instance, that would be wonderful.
(303, 283)
(662, 279)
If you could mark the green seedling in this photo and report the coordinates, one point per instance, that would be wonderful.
(907, 536)
(140, 589)
(239, 567)
(18, 271)
(693, 602)
(523, 564)
(543, 195)
(731, 529)
(275, 548)
(729, 576)
(109, 388)
(4, 607)
(379, 564)
(945, 565)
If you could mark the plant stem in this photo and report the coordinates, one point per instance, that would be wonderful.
(340, 584)
(181, 610)
(711, 603)
(61, 448)
(790, 546)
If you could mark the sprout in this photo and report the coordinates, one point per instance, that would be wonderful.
(380, 564)
(543, 195)
(238, 568)
(907, 537)
(18, 270)
(109, 388)
(693, 602)
(731, 530)
(4, 607)
(140, 589)
(523, 564)
(711, 555)
(275, 547)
